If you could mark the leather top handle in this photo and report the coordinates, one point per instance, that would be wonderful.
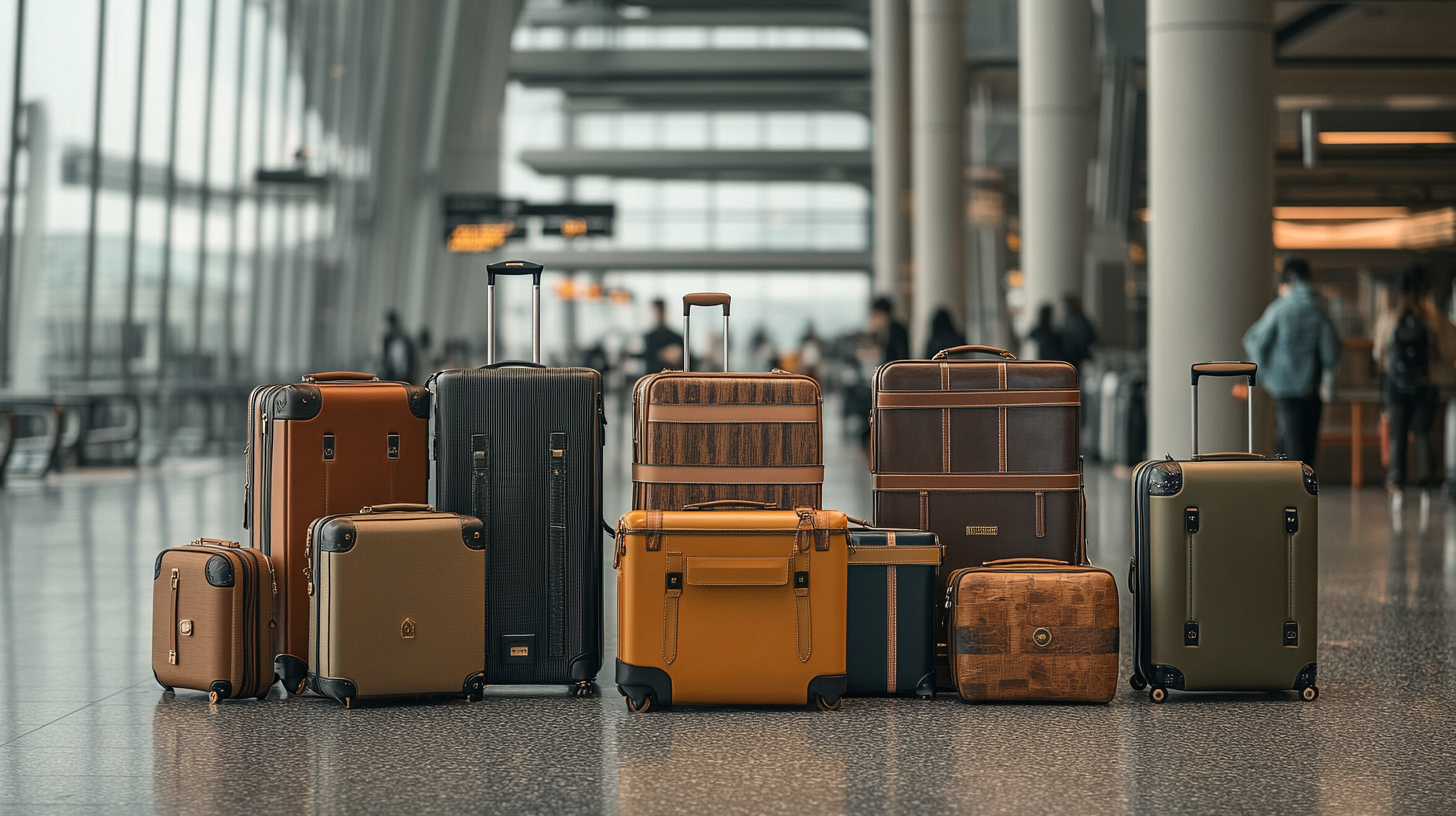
(213, 542)
(731, 504)
(1227, 369)
(1006, 562)
(943, 353)
(340, 376)
(399, 507)
(706, 299)
(513, 268)
(868, 526)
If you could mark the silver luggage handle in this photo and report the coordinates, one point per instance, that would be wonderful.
(1225, 369)
(704, 299)
(513, 268)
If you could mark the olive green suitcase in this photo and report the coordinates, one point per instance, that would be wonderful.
(1224, 572)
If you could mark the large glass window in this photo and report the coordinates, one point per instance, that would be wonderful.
(156, 145)
(184, 293)
(8, 43)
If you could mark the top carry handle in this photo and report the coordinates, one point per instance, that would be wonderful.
(944, 353)
(513, 268)
(704, 299)
(1226, 369)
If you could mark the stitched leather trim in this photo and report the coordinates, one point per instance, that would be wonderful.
(977, 399)
(713, 413)
(945, 421)
(885, 556)
(891, 623)
(924, 507)
(736, 571)
(669, 609)
(1040, 514)
(654, 530)
(802, 615)
(1015, 482)
(728, 474)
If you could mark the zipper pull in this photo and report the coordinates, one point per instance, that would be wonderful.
(174, 579)
(619, 548)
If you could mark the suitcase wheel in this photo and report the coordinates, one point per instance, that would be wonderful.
(584, 688)
(640, 707)
(1158, 694)
(348, 702)
(825, 705)
(1137, 682)
(212, 697)
(1309, 694)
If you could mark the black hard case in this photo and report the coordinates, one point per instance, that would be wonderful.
(881, 592)
(519, 446)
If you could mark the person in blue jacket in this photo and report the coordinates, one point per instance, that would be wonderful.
(1295, 346)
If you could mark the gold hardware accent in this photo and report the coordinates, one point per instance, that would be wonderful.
(1042, 636)
(174, 581)
(555, 452)
(185, 627)
(172, 658)
(970, 531)
(408, 628)
(520, 651)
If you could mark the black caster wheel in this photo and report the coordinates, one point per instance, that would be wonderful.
(825, 705)
(584, 688)
(1158, 694)
(348, 702)
(212, 697)
(1137, 682)
(642, 707)
(1309, 694)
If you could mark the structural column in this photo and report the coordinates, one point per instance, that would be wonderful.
(1056, 60)
(890, 41)
(938, 161)
(1210, 165)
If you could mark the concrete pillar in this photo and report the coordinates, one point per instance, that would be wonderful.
(1210, 165)
(938, 161)
(890, 41)
(1056, 60)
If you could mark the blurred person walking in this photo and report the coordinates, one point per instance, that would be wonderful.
(1296, 348)
(1048, 340)
(661, 347)
(943, 334)
(1416, 347)
(889, 333)
(398, 360)
(1077, 333)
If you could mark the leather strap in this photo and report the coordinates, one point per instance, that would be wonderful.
(669, 606)
(804, 542)
(892, 646)
(987, 482)
(172, 655)
(884, 556)
(977, 399)
(654, 530)
(729, 414)
(556, 550)
(728, 474)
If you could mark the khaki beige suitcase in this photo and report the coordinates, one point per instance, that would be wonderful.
(1034, 629)
(724, 605)
(213, 619)
(397, 604)
(700, 437)
(333, 443)
(1225, 569)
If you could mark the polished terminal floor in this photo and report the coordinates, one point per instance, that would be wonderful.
(84, 728)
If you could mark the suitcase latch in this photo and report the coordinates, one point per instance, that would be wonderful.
(1291, 521)
(1190, 519)
(674, 582)
(393, 446)
(1291, 634)
(801, 580)
(1190, 633)
(328, 447)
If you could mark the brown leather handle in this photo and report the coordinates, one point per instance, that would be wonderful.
(1002, 562)
(730, 504)
(399, 507)
(1229, 369)
(706, 299)
(340, 376)
(868, 526)
(213, 542)
(968, 349)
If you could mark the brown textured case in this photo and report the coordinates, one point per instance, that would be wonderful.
(333, 443)
(213, 619)
(740, 607)
(1034, 630)
(981, 452)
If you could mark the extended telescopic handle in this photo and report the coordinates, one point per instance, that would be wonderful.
(1225, 369)
(703, 299)
(513, 268)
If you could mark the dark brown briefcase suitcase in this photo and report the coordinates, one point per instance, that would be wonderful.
(983, 453)
(333, 443)
(703, 437)
(213, 619)
(397, 604)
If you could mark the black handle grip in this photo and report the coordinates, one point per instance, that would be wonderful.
(1224, 369)
(513, 268)
(518, 363)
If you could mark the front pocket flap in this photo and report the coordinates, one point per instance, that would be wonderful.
(733, 571)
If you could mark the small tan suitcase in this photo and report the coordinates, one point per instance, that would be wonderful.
(397, 604)
(214, 619)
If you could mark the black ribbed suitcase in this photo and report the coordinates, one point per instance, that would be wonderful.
(519, 446)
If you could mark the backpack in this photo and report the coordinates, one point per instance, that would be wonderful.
(1409, 359)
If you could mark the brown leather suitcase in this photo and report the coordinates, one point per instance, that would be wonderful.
(1034, 630)
(700, 437)
(983, 453)
(213, 619)
(333, 443)
(397, 604)
(735, 606)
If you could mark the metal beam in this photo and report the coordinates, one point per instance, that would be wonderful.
(1309, 22)
(557, 67)
(761, 165)
(651, 260)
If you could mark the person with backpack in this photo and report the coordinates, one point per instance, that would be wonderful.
(1416, 347)
(1296, 347)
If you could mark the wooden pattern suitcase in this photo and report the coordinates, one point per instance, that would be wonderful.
(729, 606)
(519, 446)
(213, 619)
(397, 604)
(333, 443)
(983, 453)
(1034, 629)
(891, 628)
(1225, 569)
(700, 437)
